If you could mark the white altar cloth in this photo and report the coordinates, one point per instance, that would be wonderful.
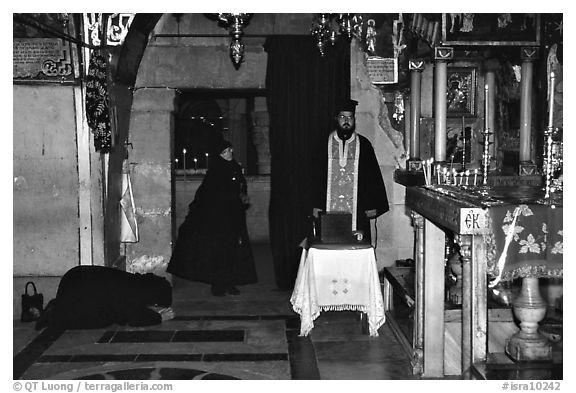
(338, 280)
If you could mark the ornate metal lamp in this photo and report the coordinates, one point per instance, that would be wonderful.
(328, 28)
(235, 24)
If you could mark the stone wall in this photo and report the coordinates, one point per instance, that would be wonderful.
(392, 231)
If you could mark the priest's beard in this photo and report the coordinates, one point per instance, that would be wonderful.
(345, 130)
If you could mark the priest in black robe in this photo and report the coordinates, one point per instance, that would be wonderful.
(347, 175)
(213, 246)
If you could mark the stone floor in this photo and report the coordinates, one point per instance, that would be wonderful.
(253, 336)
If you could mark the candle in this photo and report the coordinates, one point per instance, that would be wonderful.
(438, 173)
(184, 153)
(551, 101)
(444, 174)
(486, 107)
(454, 175)
(467, 175)
(425, 172)
(176, 161)
(206, 160)
(475, 176)
(195, 164)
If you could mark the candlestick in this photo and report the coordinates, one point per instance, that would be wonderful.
(184, 153)
(475, 176)
(551, 101)
(463, 144)
(486, 107)
(467, 175)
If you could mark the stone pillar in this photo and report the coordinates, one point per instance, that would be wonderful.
(261, 134)
(416, 67)
(417, 361)
(441, 58)
(238, 129)
(151, 135)
(528, 55)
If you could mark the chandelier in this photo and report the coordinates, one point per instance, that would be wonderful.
(329, 28)
(235, 24)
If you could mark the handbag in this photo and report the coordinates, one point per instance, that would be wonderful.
(32, 305)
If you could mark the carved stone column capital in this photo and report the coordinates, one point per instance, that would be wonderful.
(443, 53)
(417, 220)
(529, 53)
(416, 65)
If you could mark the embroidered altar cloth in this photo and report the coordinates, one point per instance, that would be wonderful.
(338, 280)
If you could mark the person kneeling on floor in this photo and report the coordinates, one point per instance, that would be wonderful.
(91, 297)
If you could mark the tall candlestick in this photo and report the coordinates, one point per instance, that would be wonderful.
(463, 144)
(184, 154)
(486, 107)
(551, 101)
(475, 176)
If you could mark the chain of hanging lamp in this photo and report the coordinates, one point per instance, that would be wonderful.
(330, 28)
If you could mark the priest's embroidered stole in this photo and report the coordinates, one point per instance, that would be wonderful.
(342, 184)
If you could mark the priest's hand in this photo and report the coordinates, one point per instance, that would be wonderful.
(371, 213)
(316, 212)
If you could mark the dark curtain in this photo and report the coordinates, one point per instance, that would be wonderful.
(303, 89)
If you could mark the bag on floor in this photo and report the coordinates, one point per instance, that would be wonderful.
(32, 305)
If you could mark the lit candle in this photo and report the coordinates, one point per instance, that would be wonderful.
(195, 164)
(176, 161)
(206, 154)
(184, 154)
(551, 101)
(486, 107)
(425, 171)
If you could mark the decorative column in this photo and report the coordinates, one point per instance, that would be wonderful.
(465, 244)
(528, 55)
(530, 308)
(442, 55)
(261, 133)
(416, 67)
(417, 360)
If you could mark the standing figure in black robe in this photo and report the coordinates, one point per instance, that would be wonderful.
(213, 245)
(347, 176)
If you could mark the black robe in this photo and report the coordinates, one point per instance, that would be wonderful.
(213, 245)
(371, 189)
(91, 297)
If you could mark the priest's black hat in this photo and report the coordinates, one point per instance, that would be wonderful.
(346, 105)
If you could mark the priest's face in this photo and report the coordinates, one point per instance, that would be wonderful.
(346, 123)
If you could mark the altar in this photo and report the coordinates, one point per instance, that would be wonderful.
(502, 234)
(338, 280)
